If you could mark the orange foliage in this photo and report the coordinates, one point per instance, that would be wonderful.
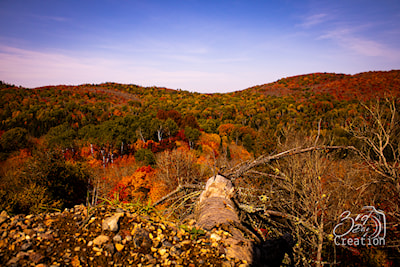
(141, 185)
(93, 162)
(124, 161)
(15, 160)
(85, 151)
(117, 113)
(139, 144)
(226, 129)
(210, 143)
(239, 152)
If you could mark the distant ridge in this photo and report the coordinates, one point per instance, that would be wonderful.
(363, 85)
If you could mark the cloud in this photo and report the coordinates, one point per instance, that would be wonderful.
(360, 45)
(313, 20)
(32, 68)
(52, 18)
(37, 68)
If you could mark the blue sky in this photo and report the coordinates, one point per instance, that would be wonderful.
(194, 45)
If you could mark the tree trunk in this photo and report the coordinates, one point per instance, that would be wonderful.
(216, 209)
(320, 243)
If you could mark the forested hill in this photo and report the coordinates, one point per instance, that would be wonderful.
(89, 110)
(365, 85)
(126, 144)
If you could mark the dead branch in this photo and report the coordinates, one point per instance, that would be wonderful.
(177, 190)
(266, 174)
(246, 166)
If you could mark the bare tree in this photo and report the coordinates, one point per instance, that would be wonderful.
(379, 131)
(179, 171)
(177, 167)
(290, 195)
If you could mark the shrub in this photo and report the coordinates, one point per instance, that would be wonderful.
(146, 156)
(14, 139)
(45, 180)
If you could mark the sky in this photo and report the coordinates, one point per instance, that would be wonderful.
(194, 45)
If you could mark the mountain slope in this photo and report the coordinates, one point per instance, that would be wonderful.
(366, 85)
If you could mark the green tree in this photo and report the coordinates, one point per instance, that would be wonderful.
(14, 139)
(145, 130)
(146, 156)
(248, 142)
(192, 135)
(62, 136)
(209, 125)
(172, 127)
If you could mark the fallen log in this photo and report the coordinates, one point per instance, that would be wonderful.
(216, 209)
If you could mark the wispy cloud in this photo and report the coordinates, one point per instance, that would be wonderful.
(359, 44)
(37, 68)
(313, 20)
(33, 68)
(50, 18)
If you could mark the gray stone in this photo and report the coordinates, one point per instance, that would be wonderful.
(13, 261)
(167, 244)
(101, 239)
(110, 248)
(26, 246)
(117, 238)
(111, 223)
(141, 238)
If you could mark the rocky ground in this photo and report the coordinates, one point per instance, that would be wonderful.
(107, 236)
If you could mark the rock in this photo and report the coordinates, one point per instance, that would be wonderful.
(215, 237)
(3, 216)
(58, 239)
(186, 242)
(119, 247)
(75, 262)
(150, 259)
(13, 261)
(162, 251)
(174, 251)
(141, 238)
(36, 257)
(96, 249)
(110, 248)
(156, 243)
(29, 232)
(101, 239)
(167, 244)
(117, 238)
(111, 223)
(26, 246)
(22, 254)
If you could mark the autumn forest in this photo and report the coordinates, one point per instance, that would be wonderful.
(332, 140)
